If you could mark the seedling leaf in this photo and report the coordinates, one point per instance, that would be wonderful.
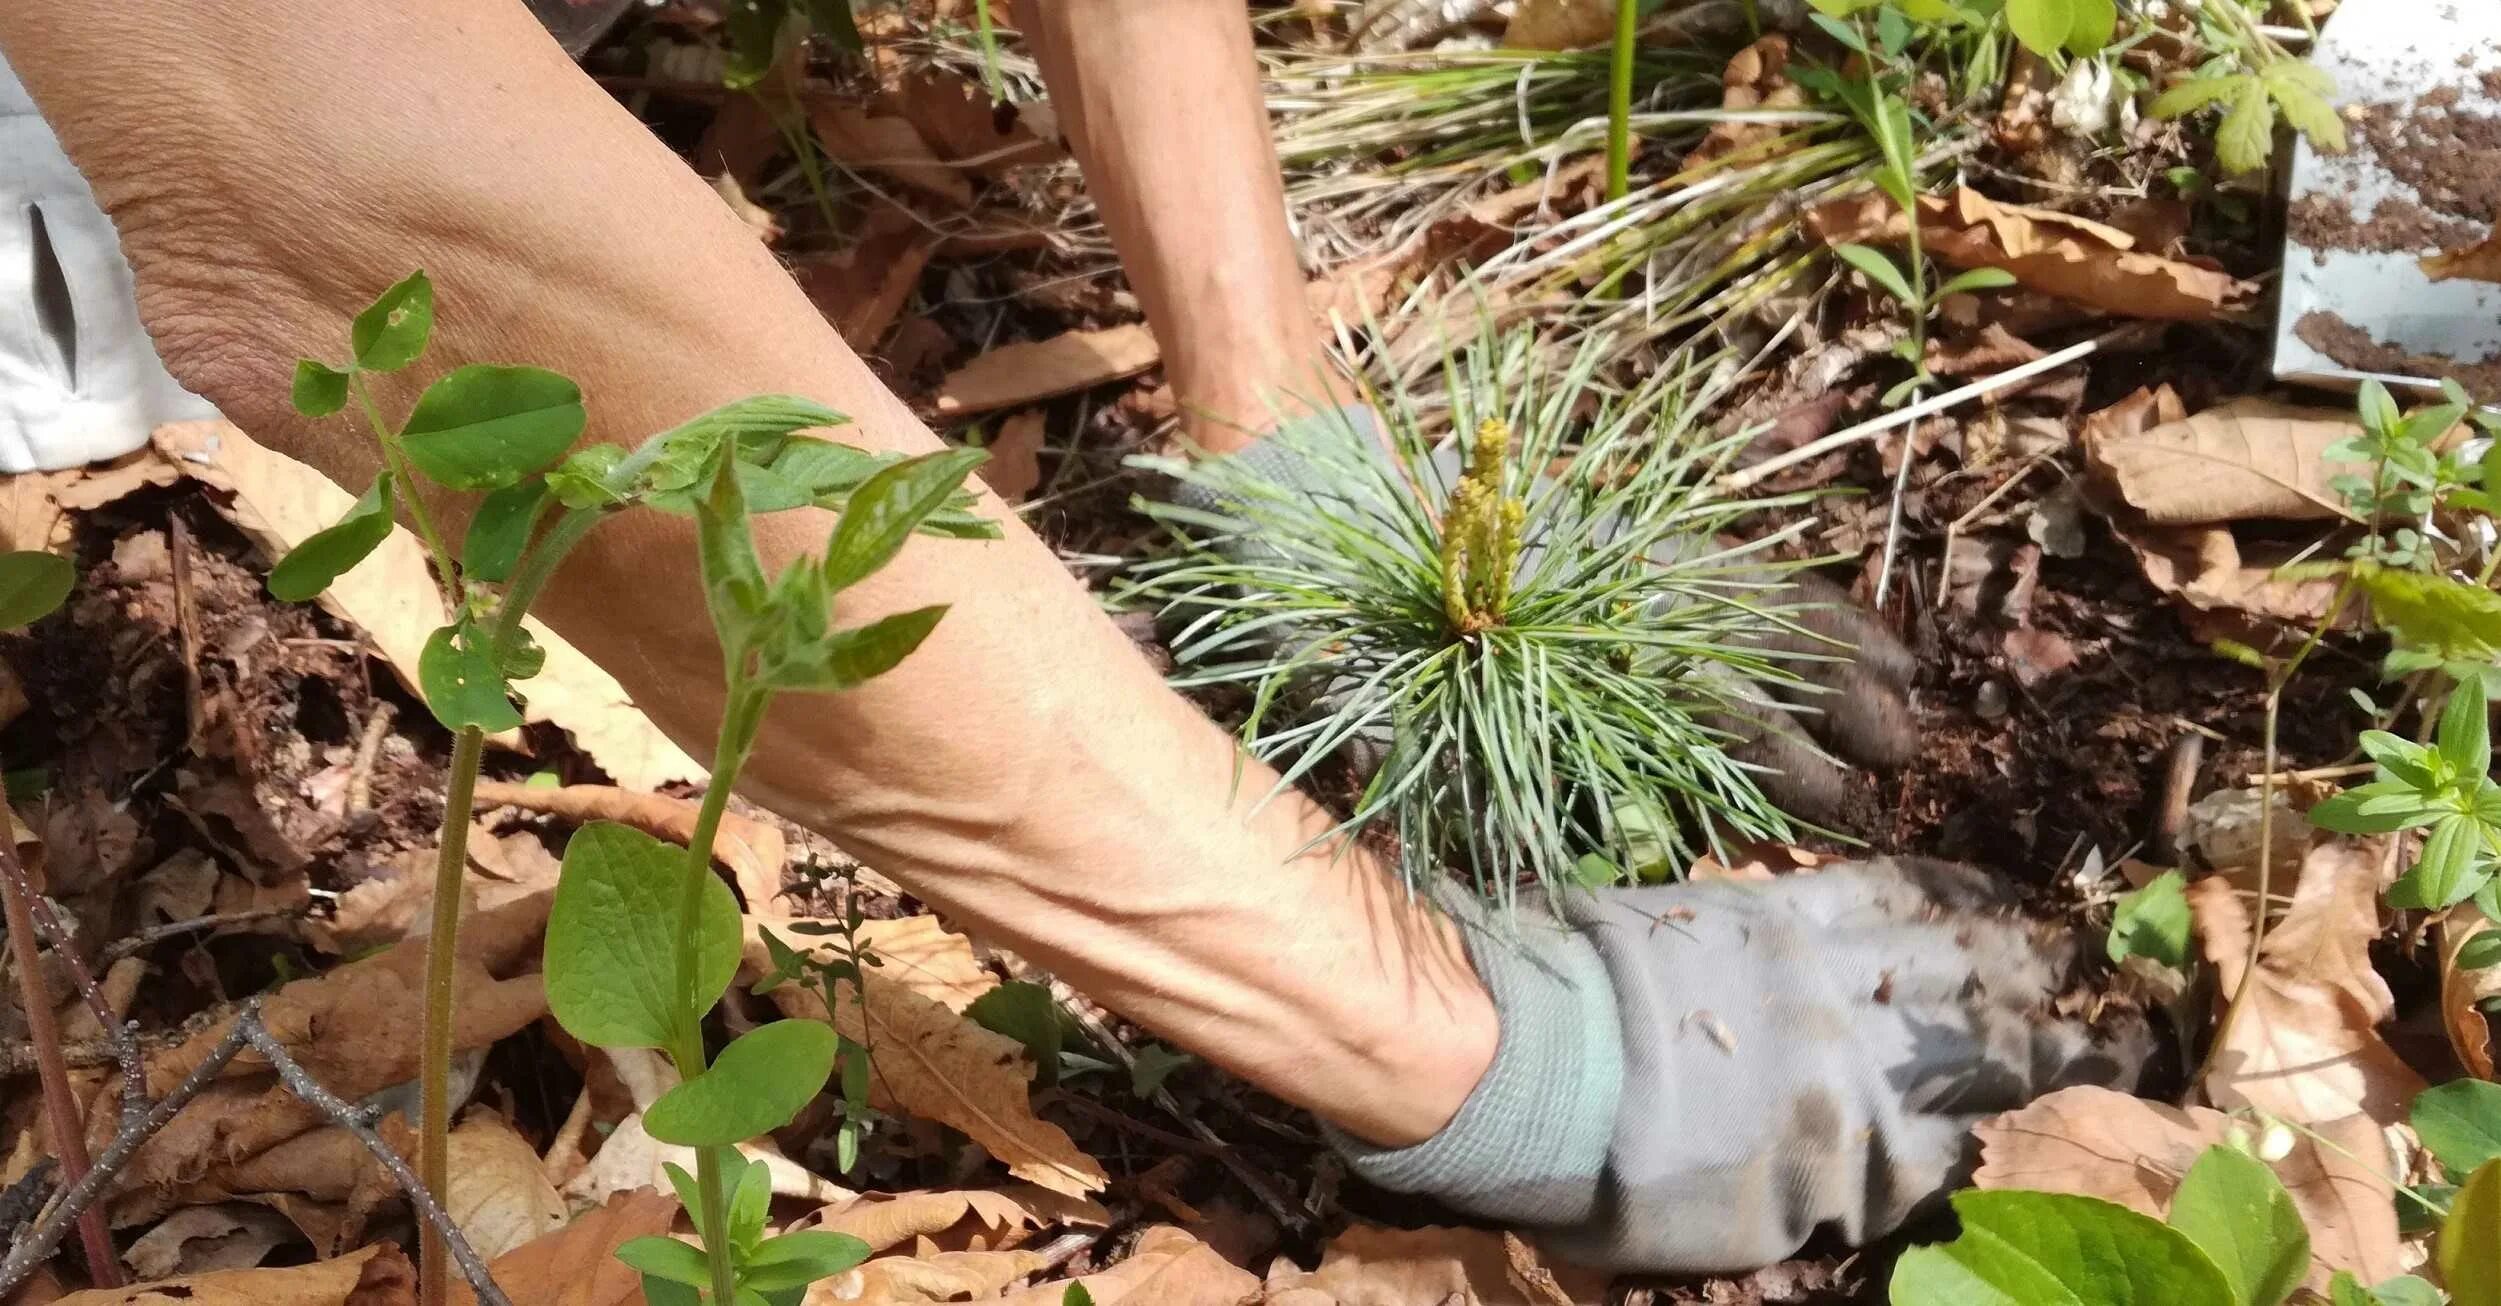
(486, 426)
(846, 658)
(2247, 136)
(2042, 25)
(2466, 729)
(2460, 1122)
(393, 331)
(2231, 1205)
(330, 552)
(666, 1258)
(2450, 871)
(1879, 269)
(2153, 922)
(882, 514)
(2054, 1249)
(795, 1260)
(32, 584)
(462, 684)
(2094, 24)
(611, 958)
(500, 530)
(2470, 1241)
(755, 1086)
(1025, 1012)
(1976, 279)
(319, 388)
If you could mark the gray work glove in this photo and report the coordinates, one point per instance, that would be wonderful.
(1696, 1078)
(1852, 707)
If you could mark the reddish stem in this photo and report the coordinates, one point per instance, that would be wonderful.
(43, 1030)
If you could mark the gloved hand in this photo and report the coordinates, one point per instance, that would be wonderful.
(1698, 1077)
(79, 377)
(1850, 707)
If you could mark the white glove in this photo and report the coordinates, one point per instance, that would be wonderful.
(79, 379)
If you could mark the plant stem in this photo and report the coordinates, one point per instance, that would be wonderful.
(739, 723)
(442, 950)
(395, 458)
(1620, 100)
(60, 1105)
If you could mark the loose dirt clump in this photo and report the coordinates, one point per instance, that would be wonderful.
(2321, 223)
(2359, 349)
(2451, 158)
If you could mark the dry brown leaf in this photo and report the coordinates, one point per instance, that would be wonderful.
(1167, 1268)
(1371, 1265)
(888, 1220)
(576, 1265)
(2307, 1049)
(2248, 460)
(857, 138)
(2477, 262)
(499, 1194)
(391, 596)
(1757, 77)
(1560, 24)
(863, 288)
(354, 1029)
(2095, 1142)
(939, 1276)
(1758, 861)
(1015, 465)
(373, 1276)
(919, 952)
(1012, 376)
(2053, 253)
(323, 1182)
(957, 118)
(935, 1064)
(383, 910)
(754, 852)
(204, 1239)
(2462, 991)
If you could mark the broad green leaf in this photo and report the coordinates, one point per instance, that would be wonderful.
(668, 1292)
(2153, 922)
(754, 28)
(2233, 1206)
(848, 658)
(2450, 871)
(755, 1086)
(833, 20)
(2247, 137)
(1076, 1295)
(733, 579)
(2406, 760)
(328, 553)
(487, 426)
(500, 530)
(2470, 1241)
(2482, 952)
(581, 481)
(391, 333)
(1976, 279)
(1153, 1065)
(2042, 25)
(2460, 1122)
(319, 388)
(756, 428)
(522, 659)
(2095, 22)
(462, 686)
(2196, 93)
(2381, 807)
(2466, 730)
(825, 467)
(689, 1195)
(34, 583)
(2305, 103)
(796, 1259)
(1879, 269)
(2404, 1290)
(2053, 1249)
(1025, 1012)
(883, 513)
(612, 937)
(750, 1185)
(667, 1258)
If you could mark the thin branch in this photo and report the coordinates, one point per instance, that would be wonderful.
(62, 1117)
(300, 1082)
(148, 938)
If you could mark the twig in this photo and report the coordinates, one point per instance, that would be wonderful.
(30, 1251)
(1748, 477)
(43, 1028)
(368, 751)
(121, 949)
(2314, 773)
(357, 1122)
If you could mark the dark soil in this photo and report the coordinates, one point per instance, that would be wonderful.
(2398, 226)
(2449, 156)
(2359, 349)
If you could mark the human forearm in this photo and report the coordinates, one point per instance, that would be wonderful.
(1025, 770)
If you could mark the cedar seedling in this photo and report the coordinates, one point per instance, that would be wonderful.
(503, 432)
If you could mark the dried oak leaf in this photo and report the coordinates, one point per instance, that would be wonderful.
(203, 1239)
(2072, 258)
(937, 1276)
(1167, 1268)
(2095, 1142)
(1371, 1265)
(576, 1265)
(2462, 992)
(1012, 376)
(957, 1221)
(2477, 262)
(754, 852)
(2307, 1049)
(372, 1276)
(932, 1063)
(2248, 460)
(392, 597)
(499, 1194)
(856, 137)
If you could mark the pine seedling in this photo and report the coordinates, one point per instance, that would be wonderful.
(1531, 622)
